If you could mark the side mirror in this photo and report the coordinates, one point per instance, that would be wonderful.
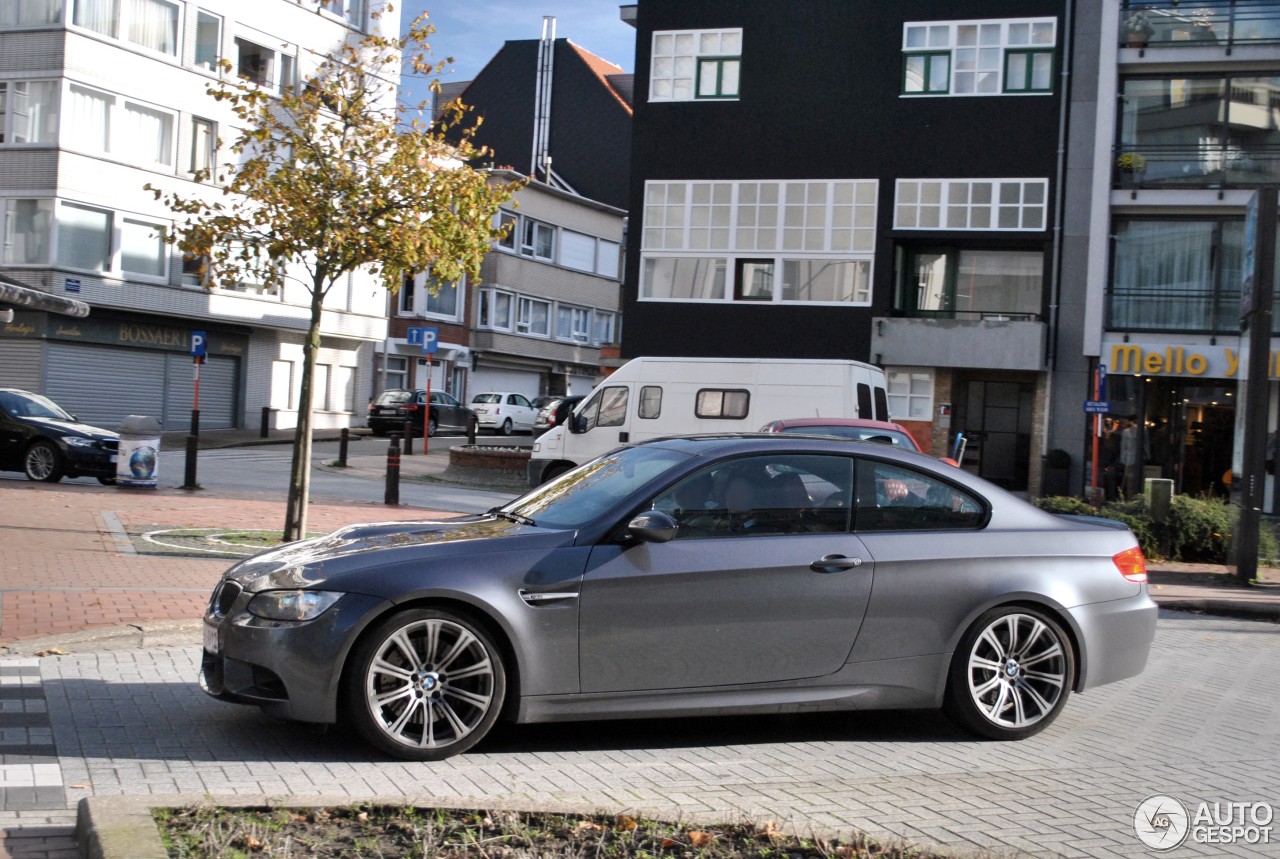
(652, 526)
(577, 424)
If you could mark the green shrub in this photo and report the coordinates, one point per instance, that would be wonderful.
(1066, 504)
(1198, 529)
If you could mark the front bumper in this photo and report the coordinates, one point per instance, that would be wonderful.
(90, 461)
(292, 670)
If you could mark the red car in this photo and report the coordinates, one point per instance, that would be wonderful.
(856, 429)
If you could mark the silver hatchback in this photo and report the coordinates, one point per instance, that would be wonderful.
(703, 575)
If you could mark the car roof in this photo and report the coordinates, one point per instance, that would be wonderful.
(866, 423)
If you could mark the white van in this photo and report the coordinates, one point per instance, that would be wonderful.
(650, 397)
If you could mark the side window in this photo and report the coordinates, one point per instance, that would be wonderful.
(864, 400)
(892, 498)
(762, 496)
(650, 402)
(715, 403)
(608, 408)
(520, 400)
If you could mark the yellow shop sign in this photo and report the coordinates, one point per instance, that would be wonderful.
(1147, 360)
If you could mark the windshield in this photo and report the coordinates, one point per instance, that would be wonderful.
(31, 406)
(578, 497)
(487, 398)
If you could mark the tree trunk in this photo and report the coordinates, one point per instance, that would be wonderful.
(295, 520)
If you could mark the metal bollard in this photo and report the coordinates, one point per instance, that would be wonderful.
(266, 422)
(408, 437)
(392, 495)
(472, 421)
(343, 438)
(189, 481)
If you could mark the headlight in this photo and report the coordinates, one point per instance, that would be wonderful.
(76, 441)
(292, 605)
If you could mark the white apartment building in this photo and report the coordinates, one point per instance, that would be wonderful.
(98, 98)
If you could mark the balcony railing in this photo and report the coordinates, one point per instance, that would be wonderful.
(1229, 23)
(1202, 311)
(1205, 164)
(972, 315)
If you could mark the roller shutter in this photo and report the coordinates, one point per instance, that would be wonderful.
(102, 385)
(486, 379)
(218, 376)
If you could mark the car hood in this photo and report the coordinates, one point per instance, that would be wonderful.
(340, 559)
(72, 428)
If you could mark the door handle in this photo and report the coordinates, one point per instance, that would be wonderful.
(834, 564)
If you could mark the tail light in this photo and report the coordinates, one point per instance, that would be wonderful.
(412, 407)
(1132, 564)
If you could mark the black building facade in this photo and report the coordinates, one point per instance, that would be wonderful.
(851, 179)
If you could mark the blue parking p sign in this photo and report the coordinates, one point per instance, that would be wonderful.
(198, 342)
(430, 340)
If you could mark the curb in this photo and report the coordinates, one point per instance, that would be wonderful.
(1224, 608)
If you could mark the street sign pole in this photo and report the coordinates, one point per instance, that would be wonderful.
(430, 343)
(199, 342)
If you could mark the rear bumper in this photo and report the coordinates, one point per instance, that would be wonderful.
(1115, 639)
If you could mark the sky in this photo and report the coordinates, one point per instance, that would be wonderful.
(472, 31)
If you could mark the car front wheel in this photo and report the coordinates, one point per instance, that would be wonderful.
(425, 685)
(43, 462)
(432, 426)
(1011, 674)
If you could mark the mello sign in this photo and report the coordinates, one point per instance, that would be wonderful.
(1159, 360)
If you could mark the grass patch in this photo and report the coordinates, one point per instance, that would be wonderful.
(405, 831)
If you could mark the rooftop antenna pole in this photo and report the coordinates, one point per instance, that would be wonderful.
(542, 101)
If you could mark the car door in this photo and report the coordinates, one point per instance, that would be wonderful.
(781, 600)
(523, 412)
(445, 409)
(13, 433)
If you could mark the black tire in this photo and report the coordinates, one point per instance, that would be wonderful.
(554, 471)
(506, 427)
(432, 718)
(43, 462)
(107, 481)
(992, 690)
(432, 427)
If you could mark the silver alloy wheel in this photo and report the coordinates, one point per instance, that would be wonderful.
(430, 684)
(1017, 670)
(42, 461)
(506, 427)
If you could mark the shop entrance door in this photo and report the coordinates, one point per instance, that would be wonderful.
(997, 423)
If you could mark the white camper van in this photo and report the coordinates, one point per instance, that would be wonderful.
(650, 397)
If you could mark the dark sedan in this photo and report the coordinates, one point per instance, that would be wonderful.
(40, 438)
(390, 409)
(700, 575)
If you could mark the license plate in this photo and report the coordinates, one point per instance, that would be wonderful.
(211, 638)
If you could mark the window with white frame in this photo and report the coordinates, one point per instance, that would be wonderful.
(971, 204)
(28, 111)
(688, 65)
(30, 13)
(272, 68)
(538, 240)
(573, 323)
(443, 300)
(28, 231)
(92, 238)
(910, 393)
(409, 295)
(818, 235)
(510, 222)
(148, 134)
(204, 146)
(986, 57)
(608, 258)
(255, 274)
(208, 47)
(351, 11)
(606, 327)
(533, 316)
(397, 371)
(495, 310)
(100, 122)
(320, 387)
(151, 24)
(282, 385)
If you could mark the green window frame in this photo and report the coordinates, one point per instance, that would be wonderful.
(933, 68)
(1025, 82)
(711, 77)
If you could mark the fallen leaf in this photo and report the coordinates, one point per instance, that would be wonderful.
(79, 786)
(668, 843)
(52, 651)
(589, 826)
(769, 829)
(363, 817)
(699, 838)
(626, 824)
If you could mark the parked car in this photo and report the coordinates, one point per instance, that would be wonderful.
(858, 429)
(39, 437)
(504, 412)
(706, 574)
(388, 411)
(554, 413)
(540, 403)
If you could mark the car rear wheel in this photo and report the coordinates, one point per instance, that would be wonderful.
(1011, 674)
(432, 426)
(43, 462)
(506, 427)
(425, 685)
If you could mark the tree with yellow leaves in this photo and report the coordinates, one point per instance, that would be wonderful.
(328, 180)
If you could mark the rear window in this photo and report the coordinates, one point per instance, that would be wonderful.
(393, 398)
(487, 398)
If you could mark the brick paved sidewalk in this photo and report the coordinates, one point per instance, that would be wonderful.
(69, 567)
